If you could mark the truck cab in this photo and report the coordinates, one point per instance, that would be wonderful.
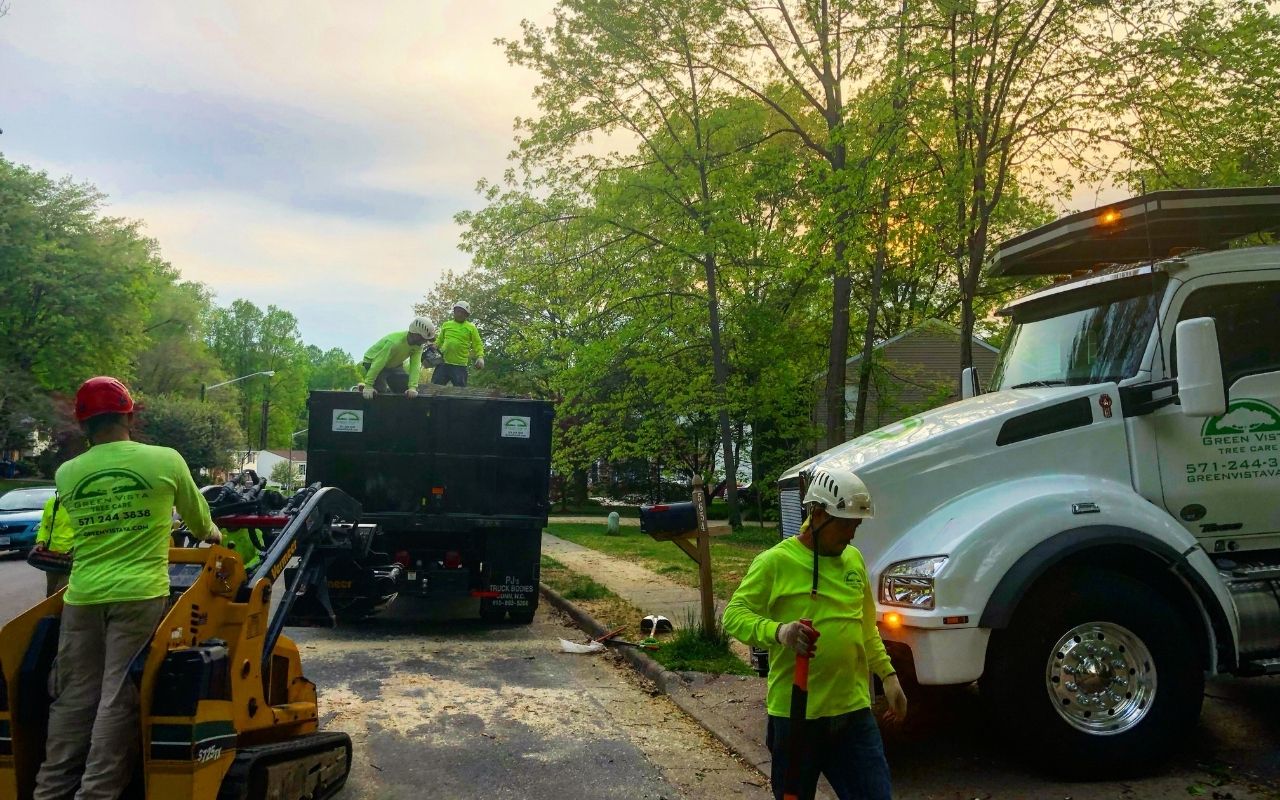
(1100, 528)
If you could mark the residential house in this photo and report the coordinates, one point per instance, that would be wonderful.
(914, 371)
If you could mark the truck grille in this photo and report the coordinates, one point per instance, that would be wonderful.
(792, 514)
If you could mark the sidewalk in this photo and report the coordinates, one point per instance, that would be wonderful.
(730, 707)
(646, 590)
(630, 522)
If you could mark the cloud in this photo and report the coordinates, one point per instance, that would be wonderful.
(310, 155)
(348, 280)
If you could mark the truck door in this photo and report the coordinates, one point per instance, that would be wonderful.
(1221, 475)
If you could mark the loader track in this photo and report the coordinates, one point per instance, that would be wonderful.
(311, 767)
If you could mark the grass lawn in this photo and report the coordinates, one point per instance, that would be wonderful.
(685, 650)
(730, 555)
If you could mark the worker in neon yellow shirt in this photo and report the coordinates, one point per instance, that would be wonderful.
(384, 367)
(459, 342)
(842, 741)
(118, 496)
(55, 535)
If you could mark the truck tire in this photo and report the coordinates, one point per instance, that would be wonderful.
(1095, 676)
(524, 616)
(490, 613)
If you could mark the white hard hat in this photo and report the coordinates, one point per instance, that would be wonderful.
(840, 493)
(423, 327)
(464, 305)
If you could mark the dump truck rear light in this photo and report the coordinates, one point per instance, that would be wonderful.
(485, 595)
(453, 560)
(403, 559)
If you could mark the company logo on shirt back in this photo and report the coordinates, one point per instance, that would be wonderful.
(108, 483)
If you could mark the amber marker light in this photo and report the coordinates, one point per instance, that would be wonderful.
(893, 619)
(1109, 217)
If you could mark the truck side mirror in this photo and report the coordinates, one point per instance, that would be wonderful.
(970, 386)
(1201, 390)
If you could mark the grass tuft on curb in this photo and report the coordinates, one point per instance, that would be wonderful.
(685, 650)
(692, 650)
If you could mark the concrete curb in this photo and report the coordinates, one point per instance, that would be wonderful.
(671, 684)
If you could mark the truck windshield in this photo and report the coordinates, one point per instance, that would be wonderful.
(1094, 334)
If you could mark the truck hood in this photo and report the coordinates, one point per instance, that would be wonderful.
(916, 467)
(946, 426)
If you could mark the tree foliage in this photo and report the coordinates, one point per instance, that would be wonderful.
(203, 434)
(716, 200)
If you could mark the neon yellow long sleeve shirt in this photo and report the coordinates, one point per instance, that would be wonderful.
(776, 591)
(459, 342)
(119, 497)
(55, 531)
(392, 350)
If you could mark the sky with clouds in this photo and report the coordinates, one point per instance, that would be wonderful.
(310, 153)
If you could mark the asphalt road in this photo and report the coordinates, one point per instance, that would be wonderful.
(458, 709)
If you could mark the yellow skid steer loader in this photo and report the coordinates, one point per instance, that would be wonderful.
(226, 711)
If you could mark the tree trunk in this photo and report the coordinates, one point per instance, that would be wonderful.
(721, 371)
(873, 308)
(578, 489)
(842, 286)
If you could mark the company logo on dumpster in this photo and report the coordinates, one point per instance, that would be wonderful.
(348, 420)
(515, 427)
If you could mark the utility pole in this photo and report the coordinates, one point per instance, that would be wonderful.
(266, 409)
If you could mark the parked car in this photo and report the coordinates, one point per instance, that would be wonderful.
(20, 512)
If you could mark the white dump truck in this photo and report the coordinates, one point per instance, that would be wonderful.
(1099, 529)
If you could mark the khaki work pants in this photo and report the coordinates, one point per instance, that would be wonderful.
(93, 723)
(53, 581)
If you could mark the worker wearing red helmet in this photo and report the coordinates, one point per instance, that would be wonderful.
(118, 496)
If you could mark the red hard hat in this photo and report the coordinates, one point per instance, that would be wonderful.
(102, 395)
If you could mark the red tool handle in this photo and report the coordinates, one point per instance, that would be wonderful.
(799, 713)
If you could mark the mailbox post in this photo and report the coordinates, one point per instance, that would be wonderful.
(685, 526)
(704, 559)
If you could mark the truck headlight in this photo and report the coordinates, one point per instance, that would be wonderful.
(910, 583)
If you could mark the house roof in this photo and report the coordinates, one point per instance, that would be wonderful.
(936, 324)
(295, 455)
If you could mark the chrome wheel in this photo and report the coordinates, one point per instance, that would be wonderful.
(1101, 678)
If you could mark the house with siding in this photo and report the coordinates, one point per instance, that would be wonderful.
(914, 371)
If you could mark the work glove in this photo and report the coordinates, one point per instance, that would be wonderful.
(431, 356)
(798, 636)
(368, 392)
(410, 393)
(214, 537)
(479, 363)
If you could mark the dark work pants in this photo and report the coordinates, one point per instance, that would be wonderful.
(392, 380)
(847, 749)
(449, 373)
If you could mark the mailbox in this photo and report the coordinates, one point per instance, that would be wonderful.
(668, 521)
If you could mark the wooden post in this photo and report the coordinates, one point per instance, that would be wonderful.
(704, 559)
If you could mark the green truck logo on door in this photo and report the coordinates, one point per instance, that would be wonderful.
(1242, 444)
(1248, 419)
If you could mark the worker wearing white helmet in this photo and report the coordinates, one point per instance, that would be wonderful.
(776, 607)
(384, 366)
(458, 342)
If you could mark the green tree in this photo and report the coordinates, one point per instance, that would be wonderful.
(203, 433)
(331, 369)
(287, 475)
(75, 286)
(175, 359)
(248, 340)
